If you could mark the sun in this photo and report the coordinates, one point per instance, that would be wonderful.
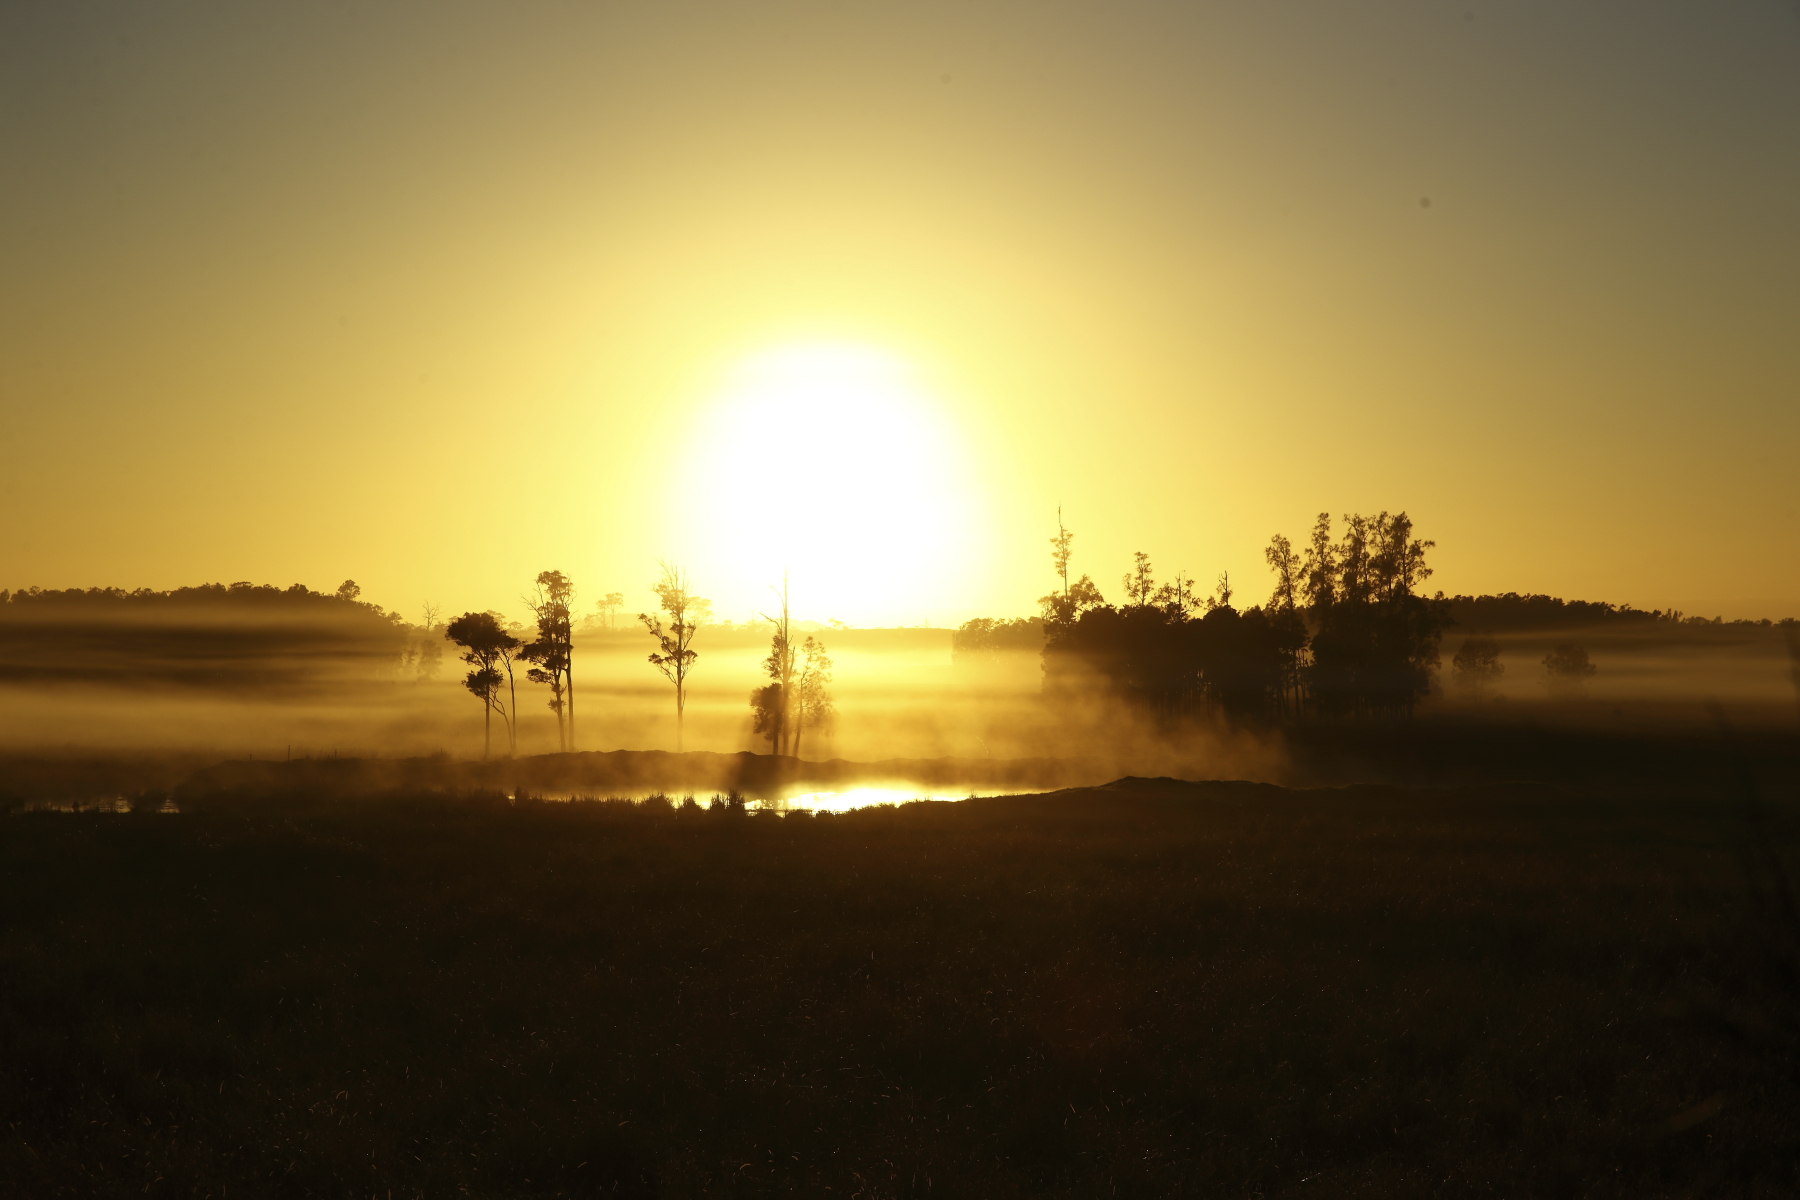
(831, 462)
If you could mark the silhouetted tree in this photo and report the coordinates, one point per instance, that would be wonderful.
(1568, 668)
(767, 704)
(1060, 550)
(553, 651)
(1287, 625)
(673, 656)
(1318, 566)
(1061, 608)
(348, 590)
(776, 699)
(1140, 584)
(427, 656)
(1286, 565)
(489, 648)
(812, 706)
(1477, 664)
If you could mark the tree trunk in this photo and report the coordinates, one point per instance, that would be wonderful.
(512, 716)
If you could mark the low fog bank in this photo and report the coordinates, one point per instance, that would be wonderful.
(1433, 752)
(116, 701)
(1745, 666)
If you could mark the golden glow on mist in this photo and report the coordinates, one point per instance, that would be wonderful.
(831, 462)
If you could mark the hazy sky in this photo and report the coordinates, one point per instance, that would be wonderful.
(440, 295)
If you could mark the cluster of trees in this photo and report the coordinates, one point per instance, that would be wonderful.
(1346, 632)
(606, 612)
(492, 651)
(797, 695)
(1477, 666)
(796, 698)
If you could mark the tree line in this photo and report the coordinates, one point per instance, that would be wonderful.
(1512, 612)
(241, 595)
(796, 700)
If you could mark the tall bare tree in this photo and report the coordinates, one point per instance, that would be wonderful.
(674, 656)
(1060, 550)
(774, 701)
(428, 656)
(1062, 608)
(553, 650)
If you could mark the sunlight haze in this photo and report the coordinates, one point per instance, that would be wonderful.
(439, 296)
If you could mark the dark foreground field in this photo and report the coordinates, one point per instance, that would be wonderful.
(1152, 989)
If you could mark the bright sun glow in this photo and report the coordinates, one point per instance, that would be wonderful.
(829, 461)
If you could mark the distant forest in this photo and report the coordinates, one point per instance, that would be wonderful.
(261, 597)
(241, 635)
(1508, 612)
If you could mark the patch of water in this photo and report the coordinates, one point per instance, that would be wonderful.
(860, 797)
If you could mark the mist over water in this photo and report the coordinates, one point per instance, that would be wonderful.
(211, 682)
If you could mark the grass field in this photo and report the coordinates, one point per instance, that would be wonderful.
(1151, 989)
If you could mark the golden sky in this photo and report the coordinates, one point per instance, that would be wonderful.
(440, 295)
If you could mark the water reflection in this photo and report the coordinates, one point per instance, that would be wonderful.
(819, 802)
(862, 797)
